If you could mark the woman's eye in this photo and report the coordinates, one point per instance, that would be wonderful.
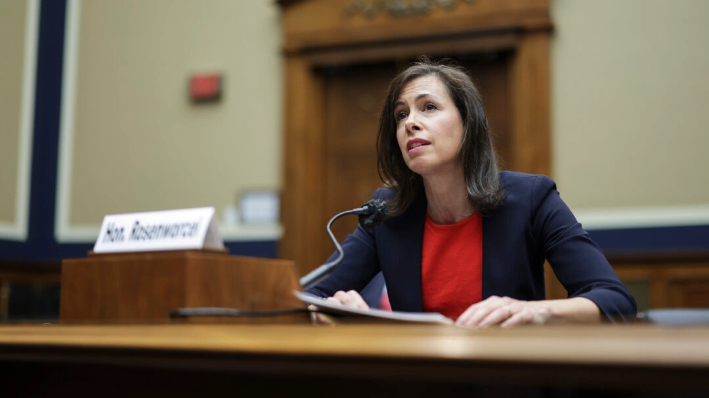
(401, 115)
(430, 106)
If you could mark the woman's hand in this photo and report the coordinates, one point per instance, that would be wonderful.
(351, 298)
(506, 312)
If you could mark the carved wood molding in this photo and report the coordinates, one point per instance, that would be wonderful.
(330, 23)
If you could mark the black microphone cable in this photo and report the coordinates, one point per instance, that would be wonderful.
(315, 276)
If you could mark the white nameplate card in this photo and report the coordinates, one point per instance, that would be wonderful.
(159, 230)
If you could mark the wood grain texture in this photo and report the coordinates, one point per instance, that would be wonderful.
(530, 105)
(317, 39)
(433, 46)
(675, 280)
(601, 357)
(354, 97)
(303, 194)
(554, 289)
(145, 287)
(325, 23)
(608, 344)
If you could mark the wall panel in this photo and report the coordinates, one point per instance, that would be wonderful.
(18, 52)
(12, 32)
(134, 141)
(630, 88)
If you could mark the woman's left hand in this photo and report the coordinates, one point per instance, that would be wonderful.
(504, 311)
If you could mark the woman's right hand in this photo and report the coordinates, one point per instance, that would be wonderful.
(351, 298)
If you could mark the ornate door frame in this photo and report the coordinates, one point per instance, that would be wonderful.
(320, 33)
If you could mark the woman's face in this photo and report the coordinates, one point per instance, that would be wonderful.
(429, 128)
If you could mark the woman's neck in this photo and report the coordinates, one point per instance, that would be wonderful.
(447, 198)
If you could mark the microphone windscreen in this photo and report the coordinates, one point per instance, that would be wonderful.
(378, 210)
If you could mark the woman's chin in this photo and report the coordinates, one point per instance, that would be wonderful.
(431, 169)
(421, 168)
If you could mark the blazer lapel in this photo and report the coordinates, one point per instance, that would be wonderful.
(488, 255)
(406, 240)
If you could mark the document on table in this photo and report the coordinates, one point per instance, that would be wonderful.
(328, 307)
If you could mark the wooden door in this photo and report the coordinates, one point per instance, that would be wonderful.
(354, 96)
(353, 99)
(318, 34)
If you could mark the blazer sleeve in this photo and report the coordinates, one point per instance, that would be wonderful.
(359, 265)
(578, 262)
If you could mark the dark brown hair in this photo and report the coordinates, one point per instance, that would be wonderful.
(477, 152)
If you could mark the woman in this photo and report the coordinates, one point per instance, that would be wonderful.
(462, 238)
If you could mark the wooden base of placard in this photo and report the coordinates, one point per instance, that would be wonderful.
(145, 287)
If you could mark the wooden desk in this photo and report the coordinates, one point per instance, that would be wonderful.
(352, 360)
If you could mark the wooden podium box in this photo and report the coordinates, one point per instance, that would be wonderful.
(146, 287)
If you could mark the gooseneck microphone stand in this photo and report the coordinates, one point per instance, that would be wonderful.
(371, 214)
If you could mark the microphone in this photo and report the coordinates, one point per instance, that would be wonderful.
(370, 215)
(374, 213)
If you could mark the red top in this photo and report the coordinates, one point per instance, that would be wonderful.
(451, 265)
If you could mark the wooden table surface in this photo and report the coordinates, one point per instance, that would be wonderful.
(603, 344)
(599, 356)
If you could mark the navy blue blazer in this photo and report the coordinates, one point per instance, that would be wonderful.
(531, 225)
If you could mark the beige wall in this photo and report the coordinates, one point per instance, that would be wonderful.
(12, 43)
(630, 85)
(138, 143)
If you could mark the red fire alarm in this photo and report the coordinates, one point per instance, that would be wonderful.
(206, 87)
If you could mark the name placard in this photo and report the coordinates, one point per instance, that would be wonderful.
(159, 230)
